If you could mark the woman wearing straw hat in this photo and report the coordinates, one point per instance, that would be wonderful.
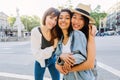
(80, 21)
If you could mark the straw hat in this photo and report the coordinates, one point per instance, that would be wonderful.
(84, 10)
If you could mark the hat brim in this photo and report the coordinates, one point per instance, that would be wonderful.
(92, 21)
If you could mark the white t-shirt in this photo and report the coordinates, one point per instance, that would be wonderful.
(66, 47)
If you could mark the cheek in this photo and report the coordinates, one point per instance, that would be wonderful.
(82, 24)
(72, 21)
(55, 23)
(46, 21)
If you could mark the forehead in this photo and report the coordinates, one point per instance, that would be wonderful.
(53, 14)
(64, 13)
(77, 14)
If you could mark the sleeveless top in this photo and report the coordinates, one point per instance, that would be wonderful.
(45, 43)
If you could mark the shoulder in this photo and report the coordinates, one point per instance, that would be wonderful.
(78, 33)
(34, 29)
(35, 32)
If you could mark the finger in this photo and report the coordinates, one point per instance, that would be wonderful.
(71, 57)
(67, 66)
(94, 30)
(64, 70)
(69, 61)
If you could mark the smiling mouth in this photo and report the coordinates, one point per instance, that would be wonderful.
(75, 26)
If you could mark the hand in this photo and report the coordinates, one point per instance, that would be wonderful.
(60, 69)
(66, 67)
(67, 58)
(92, 30)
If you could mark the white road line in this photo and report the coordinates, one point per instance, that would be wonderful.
(6, 48)
(108, 68)
(19, 76)
(7, 52)
(16, 76)
(11, 75)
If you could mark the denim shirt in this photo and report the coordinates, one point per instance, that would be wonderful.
(78, 43)
(76, 37)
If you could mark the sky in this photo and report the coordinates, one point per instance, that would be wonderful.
(37, 7)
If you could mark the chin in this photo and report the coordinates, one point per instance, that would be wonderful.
(75, 29)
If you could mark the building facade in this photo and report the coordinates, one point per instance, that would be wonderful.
(4, 25)
(113, 18)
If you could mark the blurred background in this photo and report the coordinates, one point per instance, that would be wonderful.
(18, 17)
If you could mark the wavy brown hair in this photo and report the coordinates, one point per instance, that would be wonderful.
(51, 12)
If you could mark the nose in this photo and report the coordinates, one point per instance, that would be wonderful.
(76, 21)
(63, 20)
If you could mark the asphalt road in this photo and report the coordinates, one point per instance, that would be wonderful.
(17, 63)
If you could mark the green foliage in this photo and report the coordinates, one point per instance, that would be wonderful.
(30, 22)
(11, 20)
(68, 4)
(97, 15)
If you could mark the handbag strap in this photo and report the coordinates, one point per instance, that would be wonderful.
(75, 73)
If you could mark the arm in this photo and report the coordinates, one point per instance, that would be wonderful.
(38, 53)
(91, 51)
(60, 69)
(80, 57)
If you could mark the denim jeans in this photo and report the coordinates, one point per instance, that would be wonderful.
(50, 63)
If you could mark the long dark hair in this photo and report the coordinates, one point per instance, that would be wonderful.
(85, 29)
(59, 31)
(53, 12)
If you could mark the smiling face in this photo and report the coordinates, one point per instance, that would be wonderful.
(64, 20)
(50, 18)
(77, 21)
(50, 21)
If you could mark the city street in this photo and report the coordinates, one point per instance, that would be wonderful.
(17, 63)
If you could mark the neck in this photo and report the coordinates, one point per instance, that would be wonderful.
(65, 33)
(45, 29)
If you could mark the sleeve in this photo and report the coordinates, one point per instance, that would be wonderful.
(39, 54)
(79, 44)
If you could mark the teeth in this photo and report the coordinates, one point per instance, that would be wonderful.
(62, 24)
(75, 26)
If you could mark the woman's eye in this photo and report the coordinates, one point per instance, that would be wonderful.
(67, 18)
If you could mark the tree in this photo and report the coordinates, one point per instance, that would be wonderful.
(11, 20)
(97, 15)
(68, 4)
(30, 22)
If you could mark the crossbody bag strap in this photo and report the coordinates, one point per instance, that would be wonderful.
(76, 77)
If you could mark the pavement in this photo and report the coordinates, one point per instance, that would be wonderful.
(106, 71)
(14, 39)
(10, 76)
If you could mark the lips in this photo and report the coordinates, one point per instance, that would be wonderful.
(75, 26)
(63, 24)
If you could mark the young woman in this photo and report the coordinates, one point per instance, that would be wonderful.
(42, 45)
(71, 53)
(78, 21)
(81, 21)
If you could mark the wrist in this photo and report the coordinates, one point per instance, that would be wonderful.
(91, 38)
